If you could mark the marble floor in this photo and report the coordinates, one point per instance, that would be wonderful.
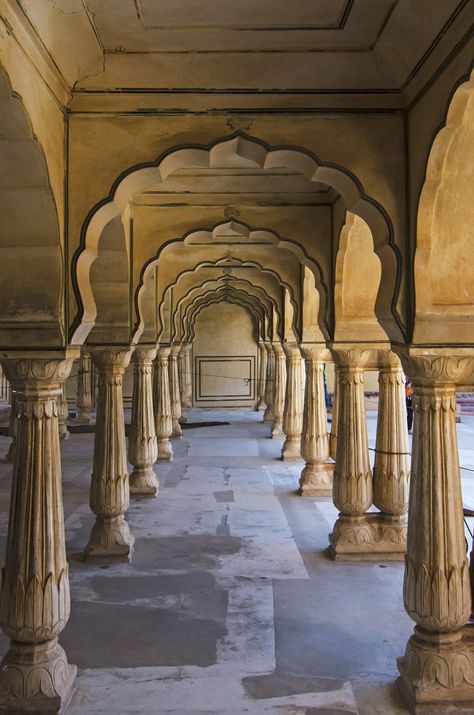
(230, 604)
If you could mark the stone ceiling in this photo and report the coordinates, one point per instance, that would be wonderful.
(326, 46)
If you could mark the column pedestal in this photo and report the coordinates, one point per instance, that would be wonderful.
(35, 676)
(317, 475)
(279, 391)
(293, 409)
(163, 418)
(142, 443)
(109, 497)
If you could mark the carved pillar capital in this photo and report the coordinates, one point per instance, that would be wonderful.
(450, 366)
(111, 360)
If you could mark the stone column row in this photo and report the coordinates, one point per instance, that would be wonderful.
(356, 533)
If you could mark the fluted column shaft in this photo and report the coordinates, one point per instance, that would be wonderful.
(183, 388)
(334, 416)
(109, 495)
(279, 391)
(12, 422)
(353, 482)
(262, 374)
(84, 399)
(439, 664)
(317, 475)
(63, 413)
(163, 418)
(142, 443)
(293, 407)
(269, 383)
(188, 374)
(174, 391)
(392, 454)
(34, 603)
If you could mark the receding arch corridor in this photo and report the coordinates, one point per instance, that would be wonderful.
(230, 603)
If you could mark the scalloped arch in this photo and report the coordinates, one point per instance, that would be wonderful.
(239, 150)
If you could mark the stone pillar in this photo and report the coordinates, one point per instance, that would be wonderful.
(183, 389)
(188, 374)
(174, 391)
(269, 383)
(142, 443)
(334, 416)
(109, 496)
(34, 603)
(63, 413)
(84, 399)
(12, 423)
(163, 418)
(293, 409)
(279, 391)
(317, 475)
(353, 483)
(438, 666)
(392, 456)
(262, 373)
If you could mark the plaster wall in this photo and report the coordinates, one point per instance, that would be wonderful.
(224, 355)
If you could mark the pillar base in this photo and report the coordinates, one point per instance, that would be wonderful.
(316, 480)
(277, 430)
(63, 432)
(143, 482)
(83, 417)
(110, 539)
(183, 419)
(262, 405)
(177, 432)
(369, 537)
(268, 415)
(10, 455)
(36, 678)
(291, 449)
(437, 671)
(165, 450)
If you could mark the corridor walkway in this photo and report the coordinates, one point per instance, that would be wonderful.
(230, 604)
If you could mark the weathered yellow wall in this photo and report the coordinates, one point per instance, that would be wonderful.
(224, 330)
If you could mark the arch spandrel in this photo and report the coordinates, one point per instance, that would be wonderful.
(357, 278)
(260, 294)
(31, 256)
(444, 257)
